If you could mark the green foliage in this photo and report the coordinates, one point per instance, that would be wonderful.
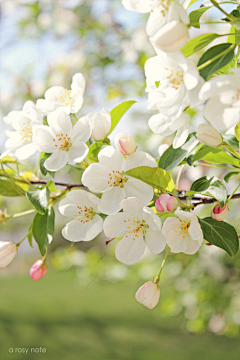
(237, 131)
(39, 199)
(215, 156)
(196, 15)
(119, 111)
(156, 177)
(198, 43)
(215, 58)
(172, 157)
(229, 175)
(43, 229)
(8, 187)
(212, 187)
(94, 150)
(221, 234)
(231, 140)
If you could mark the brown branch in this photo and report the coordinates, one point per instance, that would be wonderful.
(204, 200)
(57, 183)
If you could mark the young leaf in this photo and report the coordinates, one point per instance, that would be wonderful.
(119, 111)
(30, 236)
(210, 187)
(198, 43)
(172, 157)
(43, 229)
(94, 150)
(196, 15)
(231, 140)
(201, 184)
(215, 156)
(237, 131)
(39, 199)
(9, 188)
(156, 177)
(221, 234)
(229, 175)
(223, 52)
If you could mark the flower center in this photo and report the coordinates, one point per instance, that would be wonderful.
(174, 79)
(116, 179)
(183, 229)
(136, 227)
(62, 142)
(162, 5)
(67, 98)
(26, 131)
(85, 214)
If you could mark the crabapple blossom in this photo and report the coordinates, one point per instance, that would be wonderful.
(207, 135)
(107, 177)
(125, 144)
(222, 93)
(163, 125)
(165, 202)
(134, 225)
(171, 37)
(100, 124)
(68, 100)
(219, 213)
(148, 294)
(24, 123)
(178, 82)
(65, 142)
(38, 270)
(8, 251)
(82, 206)
(161, 12)
(184, 233)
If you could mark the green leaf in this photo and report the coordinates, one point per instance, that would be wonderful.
(43, 229)
(172, 157)
(231, 140)
(9, 188)
(196, 15)
(7, 159)
(30, 236)
(215, 156)
(237, 131)
(221, 234)
(119, 111)
(224, 54)
(94, 150)
(39, 199)
(156, 177)
(212, 187)
(229, 175)
(198, 43)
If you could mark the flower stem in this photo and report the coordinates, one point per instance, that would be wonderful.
(19, 243)
(225, 52)
(163, 263)
(218, 166)
(229, 16)
(231, 150)
(232, 193)
(23, 213)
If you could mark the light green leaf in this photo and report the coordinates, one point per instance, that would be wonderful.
(237, 131)
(9, 188)
(156, 177)
(119, 111)
(198, 43)
(231, 140)
(172, 157)
(196, 15)
(7, 159)
(212, 187)
(39, 199)
(43, 229)
(221, 234)
(215, 156)
(94, 150)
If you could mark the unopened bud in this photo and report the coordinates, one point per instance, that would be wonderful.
(171, 37)
(219, 213)
(125, 144)
(100, 124)
(207, 135)
(148, 294)
(38, 270)
(8, 251)
(166, 202)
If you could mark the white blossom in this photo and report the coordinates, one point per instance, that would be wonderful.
(207, 135)
(178, 83)
(8, 250)
(100, 124)
(65, 142)
(125, 144)
(148, 294)
(106, 177)
(161, 12)
(68, 100)
(82, 206)
(184, 233)
(134, 225)
(222, 93)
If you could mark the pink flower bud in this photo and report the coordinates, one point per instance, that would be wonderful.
(219, 213)
(8, 250)
(166, 202)
(38, 270)
(148, 294)
(171, 37)
(125, 144)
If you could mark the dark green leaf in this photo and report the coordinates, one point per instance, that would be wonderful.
(198, 43)
(196, 15)
(156, 177)
(201, 184)
(212, 187)
(225, 53)
(30, 236)
(43, 229)
(221, 234)
(9, 188)
(229, 175)
(39, 199)
(215, 156)
(172, 157)
(119, 111)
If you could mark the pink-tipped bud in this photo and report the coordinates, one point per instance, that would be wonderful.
(219, 213)
(148, 294)
(166, 202)
(38, 270)
(8, 251)
(125, 144)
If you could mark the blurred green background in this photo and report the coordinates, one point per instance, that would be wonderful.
(84, 308)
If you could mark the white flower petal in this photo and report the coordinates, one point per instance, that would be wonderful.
(140, 158)
(43, 139)
(77, 152)
(116, 225)
(96, 178)
(192, 246)
(110, 201)
(181, 136)
(132, 206)
(137, 188)
(130, 249)
(142, 6)
(81, 130)
(60, 121)
(67, 209)
(112, 159)
(169, 224)
(78, 83)
(176, 242)
(56, 161)
(76, 230)
(95, 229)
(25, 151)
(155, 241)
